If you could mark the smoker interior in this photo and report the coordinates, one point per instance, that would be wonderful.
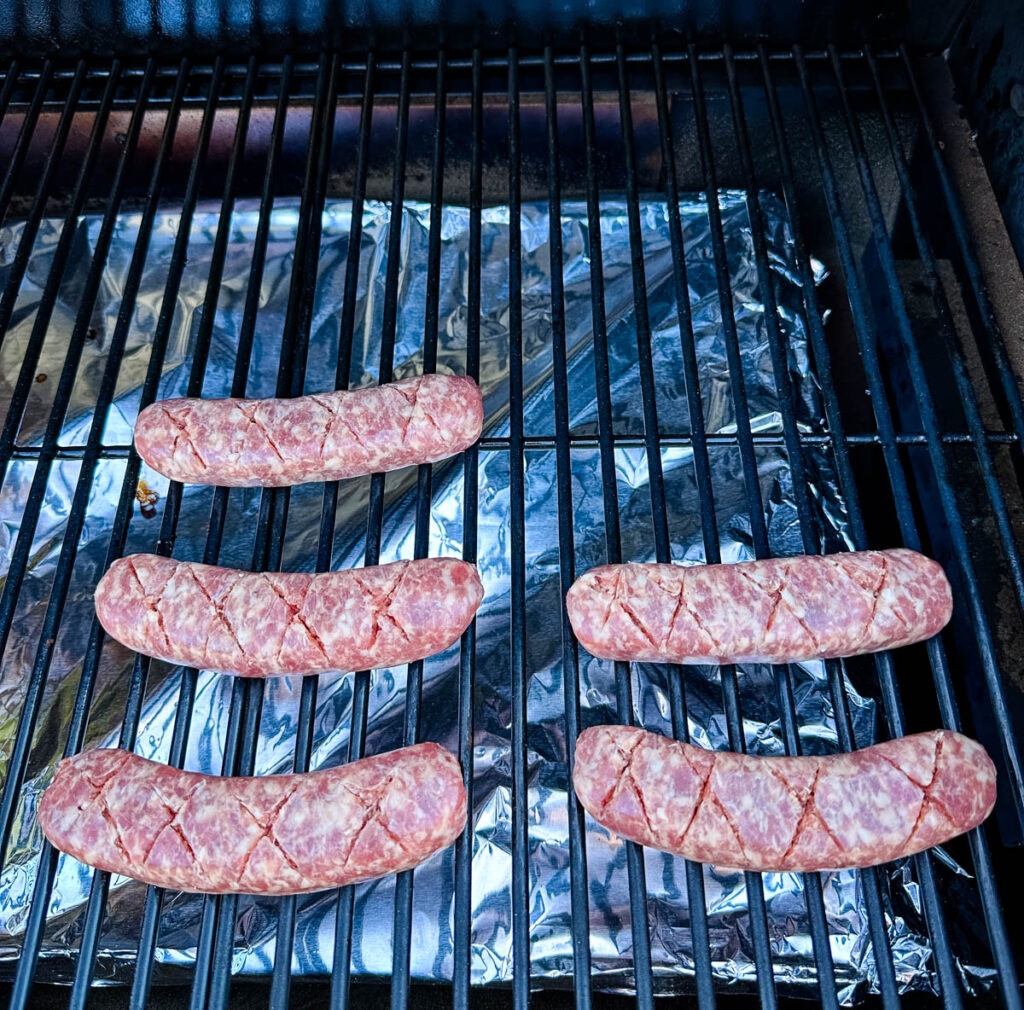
(924, 413)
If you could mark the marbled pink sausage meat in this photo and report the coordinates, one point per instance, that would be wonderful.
(276, 834)
(330, 436)
(789, 813)
(780, 610)
(258, 624)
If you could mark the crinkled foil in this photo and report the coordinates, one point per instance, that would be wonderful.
(551, 949)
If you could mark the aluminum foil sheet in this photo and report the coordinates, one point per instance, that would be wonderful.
(551, 950)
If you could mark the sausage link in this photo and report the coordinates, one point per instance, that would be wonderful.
(784, 814)
(262, 623)
(330, 436)
(276, 834)
(779, 610)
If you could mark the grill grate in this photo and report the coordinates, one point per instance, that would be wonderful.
(764, 120)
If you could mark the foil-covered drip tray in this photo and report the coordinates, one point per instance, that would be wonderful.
(550, 913)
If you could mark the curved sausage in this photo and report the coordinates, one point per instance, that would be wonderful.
(790, 813)
(330, 436)
(780, 610)
(262, 623)
(276, 834)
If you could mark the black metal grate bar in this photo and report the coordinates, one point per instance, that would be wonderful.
(520, 765)
(620, 441)
(674, 91)
(360, 693)
(187, 692)
(461, 934)
(470, 514)
(567, 575)
(946, 969)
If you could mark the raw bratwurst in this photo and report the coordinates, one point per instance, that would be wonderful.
(276, 834)
(780, 610)
(788, 813)
(261, 623)
(330, 436)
